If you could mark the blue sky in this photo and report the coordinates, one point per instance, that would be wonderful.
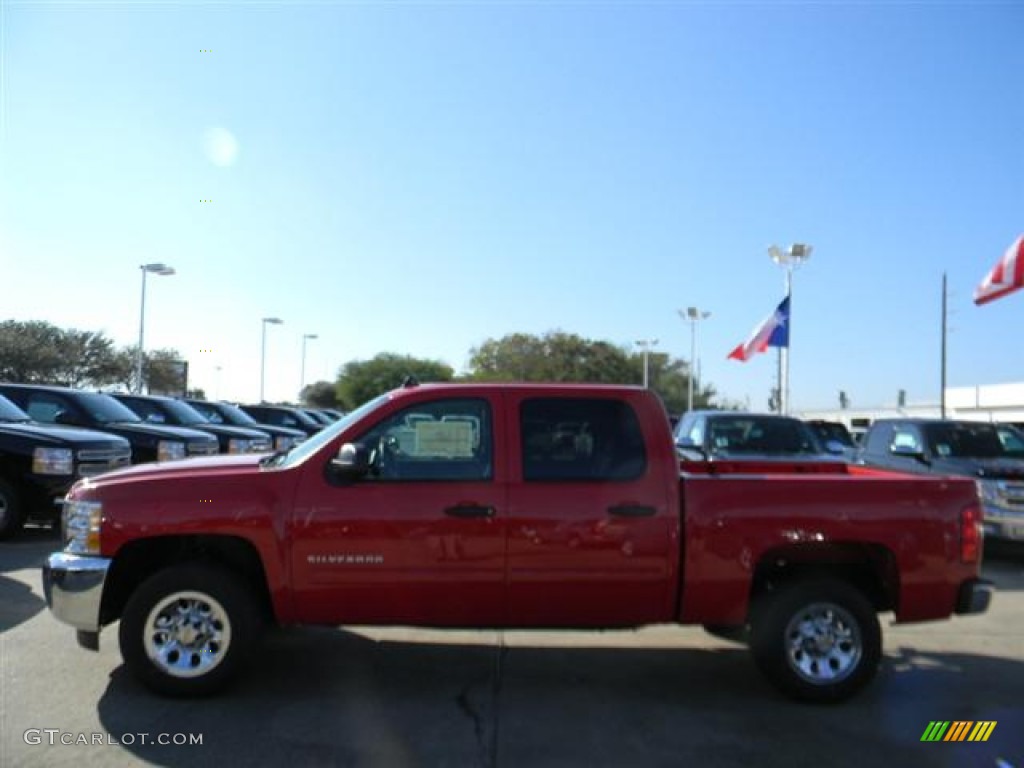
(419, 177)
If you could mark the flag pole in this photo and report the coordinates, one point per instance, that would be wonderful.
(784, 351)
(789, 260)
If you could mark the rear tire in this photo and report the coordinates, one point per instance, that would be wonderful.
(12, 512)
(188, 629)
(817, 641)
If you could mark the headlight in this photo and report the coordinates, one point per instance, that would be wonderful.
(52, 461)
(282, 443)
(82, 521)
(259, 445)
(169, 450)
(238, 446)
(990, 493)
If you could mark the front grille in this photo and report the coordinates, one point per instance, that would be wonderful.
(1013, 493)
(96, 461)
(104, 454)
(203, 449)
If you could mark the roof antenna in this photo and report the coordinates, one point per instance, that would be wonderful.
(410, 381)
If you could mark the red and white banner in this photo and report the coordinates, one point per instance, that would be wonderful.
(1006, 276)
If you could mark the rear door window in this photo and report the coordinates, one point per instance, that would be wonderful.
(570, 439)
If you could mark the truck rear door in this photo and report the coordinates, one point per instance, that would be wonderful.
(592, 526)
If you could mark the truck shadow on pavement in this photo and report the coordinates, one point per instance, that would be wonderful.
(332, 697)
(18, 601)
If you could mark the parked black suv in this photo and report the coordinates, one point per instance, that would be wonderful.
(155, 409)
(283, 416)
(94, 410)
(225, 413)
(947, 447)
(38, 464)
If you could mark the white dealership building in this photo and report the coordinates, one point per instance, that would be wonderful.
(985, 402)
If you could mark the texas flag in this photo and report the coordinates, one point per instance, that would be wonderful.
(773, 332)
(1006, 276)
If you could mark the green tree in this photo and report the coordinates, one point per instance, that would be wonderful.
(555, 356)
(88, 359)
(320, 394)
(560, 356)
(165, 372)
(39, 352)
(29, 351)
(361, 380)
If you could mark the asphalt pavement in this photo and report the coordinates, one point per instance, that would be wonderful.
(396, 697)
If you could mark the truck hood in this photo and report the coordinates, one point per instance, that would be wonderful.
(70, 437)
(185, 470)
(158, 431)
(999, 469)
(229, 431)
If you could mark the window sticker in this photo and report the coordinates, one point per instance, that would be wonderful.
(451, 439)
(943, 449)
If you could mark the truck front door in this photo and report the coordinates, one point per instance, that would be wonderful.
(421, 539)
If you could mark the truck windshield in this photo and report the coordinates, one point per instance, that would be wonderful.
(965, 441)
(306, 449)
(235, 415)
(826, 430)
(10, 412)
(104, 409)
(184, 413)
(763, 436)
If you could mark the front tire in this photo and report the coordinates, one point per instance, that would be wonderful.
(188, 629)
(817, 641)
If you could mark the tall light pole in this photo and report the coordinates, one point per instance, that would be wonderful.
(263, 350)
(790, 260)
(646, 345)
(302, 375)
(942, 362)
(157, 269)
(693, 316)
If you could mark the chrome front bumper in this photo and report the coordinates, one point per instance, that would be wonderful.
(73, 585)
(1001, 523)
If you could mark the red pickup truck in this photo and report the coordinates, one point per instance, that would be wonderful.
(527, 506)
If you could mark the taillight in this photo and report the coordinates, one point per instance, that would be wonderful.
(970, 534)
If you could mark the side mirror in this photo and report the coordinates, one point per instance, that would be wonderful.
(908, 452)
(685, 445)
(352, 461)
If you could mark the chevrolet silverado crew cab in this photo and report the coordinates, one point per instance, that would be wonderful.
(946, 447)
(155, 409)
(101, 412)
(38, 464)
(504, 506)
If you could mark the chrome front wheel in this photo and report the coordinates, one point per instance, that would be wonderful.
(189, 628)
(188, 634)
